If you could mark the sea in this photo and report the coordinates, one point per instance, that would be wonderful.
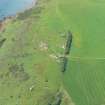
(12, 7)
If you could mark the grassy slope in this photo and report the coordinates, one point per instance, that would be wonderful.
(28, 73)
(84, 78)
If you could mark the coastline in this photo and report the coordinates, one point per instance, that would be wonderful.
(10, 18)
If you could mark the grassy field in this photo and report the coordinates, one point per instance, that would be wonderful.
(30, 71)
(85, 78)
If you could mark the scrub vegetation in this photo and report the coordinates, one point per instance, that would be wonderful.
(29, 59)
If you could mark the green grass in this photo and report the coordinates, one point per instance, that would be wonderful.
(85, 78)
(48, 23)
(23, 47)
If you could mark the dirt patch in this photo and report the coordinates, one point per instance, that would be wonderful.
(18, 72)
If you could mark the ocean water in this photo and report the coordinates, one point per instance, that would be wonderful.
(12, 7)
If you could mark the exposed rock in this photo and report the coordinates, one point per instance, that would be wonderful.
(43, 46)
